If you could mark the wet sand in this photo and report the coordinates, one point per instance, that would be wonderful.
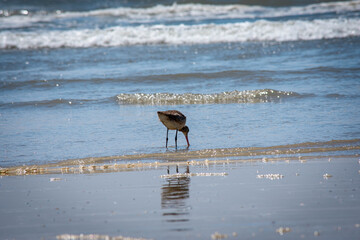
(312, 198)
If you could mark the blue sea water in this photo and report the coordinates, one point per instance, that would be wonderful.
(85, 79)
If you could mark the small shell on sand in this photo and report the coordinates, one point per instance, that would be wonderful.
(326, 176)
(217, 235)
(282, 230)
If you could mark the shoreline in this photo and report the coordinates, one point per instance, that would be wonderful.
(291, 152)
(139, 166)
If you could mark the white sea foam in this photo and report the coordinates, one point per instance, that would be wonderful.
(178, 12)
(261, 30)
(205, 11)
(250, 96)
(21, 21)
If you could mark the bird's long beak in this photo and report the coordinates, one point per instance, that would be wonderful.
(187, 139)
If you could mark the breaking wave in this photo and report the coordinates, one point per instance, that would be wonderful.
(175, 12)
(248, 96)
(262, 30)
(208, 11)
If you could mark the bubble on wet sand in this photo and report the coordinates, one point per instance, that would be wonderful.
(271, 176)
(93, 237)
(55, 179)
(180, 175)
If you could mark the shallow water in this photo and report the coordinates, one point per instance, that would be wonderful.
(78, 82)
(142, 203)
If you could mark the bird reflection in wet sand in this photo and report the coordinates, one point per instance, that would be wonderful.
(174, 195)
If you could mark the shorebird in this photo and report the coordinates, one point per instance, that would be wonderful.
(174, 120)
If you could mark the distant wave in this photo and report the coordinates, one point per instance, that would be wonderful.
(238, 76)
(241, 97)
(175, 12)
(54, 102)
(248, 96)
(262, 30)
(208, 11)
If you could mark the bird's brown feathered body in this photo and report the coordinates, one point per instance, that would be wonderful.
(174, 120)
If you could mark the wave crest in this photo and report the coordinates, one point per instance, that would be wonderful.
(247, 96)
(175, 12)
(196, 34)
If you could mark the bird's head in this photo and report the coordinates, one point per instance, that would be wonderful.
(185, 130)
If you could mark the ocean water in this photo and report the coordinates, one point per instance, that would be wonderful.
(86, 78)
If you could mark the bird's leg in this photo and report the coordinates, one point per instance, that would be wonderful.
(168, 170)
(177, 169)
(167, 134)
(176, 139)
